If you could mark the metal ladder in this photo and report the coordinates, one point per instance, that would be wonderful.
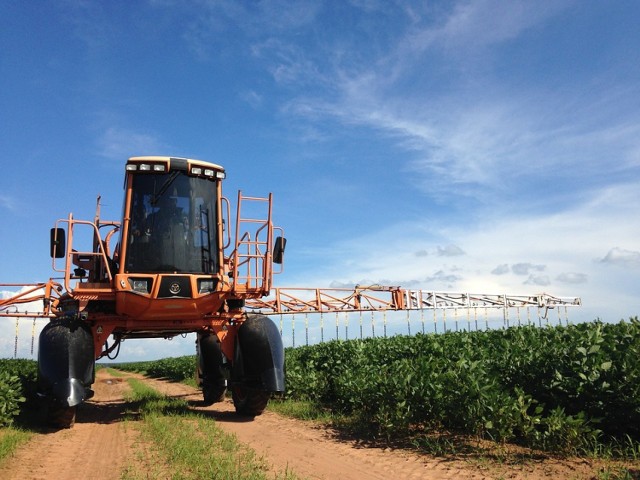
(251, 257)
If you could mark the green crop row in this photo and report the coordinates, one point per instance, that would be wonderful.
(174, 368)
(17, 383)
(561, 388)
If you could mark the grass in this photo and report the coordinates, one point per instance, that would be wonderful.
(300, 409)
(187, 444)
(618, 473)
(113, 372)
(10, 439)
(175, 442)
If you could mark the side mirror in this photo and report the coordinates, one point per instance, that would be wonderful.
(58, 244)
(278, 249)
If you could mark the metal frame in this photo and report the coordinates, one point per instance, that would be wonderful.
(48, 293)
(383, 298)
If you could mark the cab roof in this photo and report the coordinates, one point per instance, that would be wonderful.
(176, 162)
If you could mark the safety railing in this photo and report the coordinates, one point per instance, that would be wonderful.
(251, 257)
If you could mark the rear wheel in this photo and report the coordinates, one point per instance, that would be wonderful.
(249, 401)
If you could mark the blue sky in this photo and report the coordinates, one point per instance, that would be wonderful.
(480, 146)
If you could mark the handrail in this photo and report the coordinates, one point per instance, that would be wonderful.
(251, 257)
(72, 254)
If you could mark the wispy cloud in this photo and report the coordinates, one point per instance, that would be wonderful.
(572, 278)
(214, 24)
(252, 98)
(500, 269)
(440, 251)
(539, 280)
(474, 25)
(8, 203)
(288, 63)
(443, 278)
(472, 133)
(450, 251)
(526, 268)
(117, 143)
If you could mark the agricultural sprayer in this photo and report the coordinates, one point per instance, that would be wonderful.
(176, 263)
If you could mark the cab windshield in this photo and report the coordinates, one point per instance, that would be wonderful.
(173, 225)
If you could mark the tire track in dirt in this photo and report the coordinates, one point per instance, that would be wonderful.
(98, 446)
(311, 451)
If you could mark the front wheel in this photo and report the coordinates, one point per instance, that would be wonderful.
(249, 401)
(213, 393)
(59, 416)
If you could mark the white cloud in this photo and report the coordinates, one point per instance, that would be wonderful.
(443, 278)
(500, 269)
(526, 268)
(540, 280)
(560, 249)
(621, 257)
(475, 25)
(450, 251)
(19, 335)
(572, 277)
(22, 296)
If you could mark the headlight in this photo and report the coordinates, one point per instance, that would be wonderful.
(140, 285)
(206, 285)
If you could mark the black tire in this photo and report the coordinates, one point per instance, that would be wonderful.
(249, 401)
(213, 393)
(61, 417)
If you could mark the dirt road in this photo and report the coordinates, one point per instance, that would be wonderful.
(101, 445)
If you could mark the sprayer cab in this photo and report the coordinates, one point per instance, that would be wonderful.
(173, 260)
(172, 217)
(171, 243)
(175, 243)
